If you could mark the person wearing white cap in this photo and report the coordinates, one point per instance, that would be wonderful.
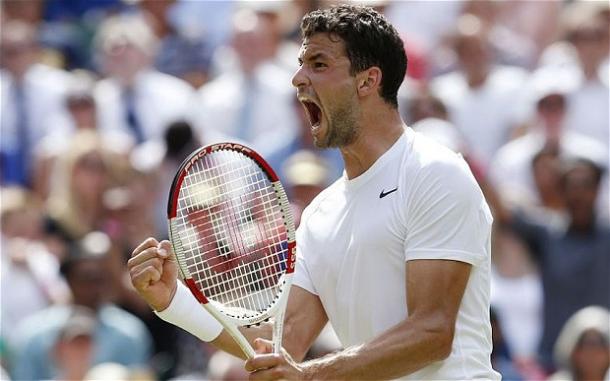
(511, 170)
(582, 351)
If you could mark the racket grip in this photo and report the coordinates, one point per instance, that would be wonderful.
(278, 331)
(185, 312)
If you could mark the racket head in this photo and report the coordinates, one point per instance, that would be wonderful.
(231, 227)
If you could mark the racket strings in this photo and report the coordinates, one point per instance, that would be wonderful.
(251, 281)
(237, 215)
(201, 221)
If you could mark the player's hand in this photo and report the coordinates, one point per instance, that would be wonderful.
(267, 365)
(153, 271)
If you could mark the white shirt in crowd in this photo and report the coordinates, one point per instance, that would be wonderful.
(518, 302)
(44, 90)
(418, 201)
(259, 111)
(486, 115)
(587, 111)
(34, 281)
(511, 171)
(159, 99)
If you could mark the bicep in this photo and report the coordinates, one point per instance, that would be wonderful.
(304, 320)
(434, 291)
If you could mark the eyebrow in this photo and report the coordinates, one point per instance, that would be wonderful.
(313, 57)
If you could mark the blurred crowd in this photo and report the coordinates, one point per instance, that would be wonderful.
(103, 99)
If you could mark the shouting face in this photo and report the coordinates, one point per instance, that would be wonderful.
(327, 91)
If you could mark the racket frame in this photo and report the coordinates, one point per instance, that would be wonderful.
(277, 309)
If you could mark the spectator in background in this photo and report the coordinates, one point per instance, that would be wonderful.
(29, 270)
(582, 351)
(135, 99)
(536, 21)
(483, 99)
(509, 48)
(118, 336)
(73, 348)
(276, 14)
(82, 175)
(253, 103)
(306, 174)
(180, 54)
(32, 105)
(82, 112)
(29, 12)
(513, 170)
(547, 179)
(303, 141)
(424, 23)
(65, 27)
(180, 140)
(573, 260)
(224, 367)
(501, 358)
(588, 105)
(422, 105)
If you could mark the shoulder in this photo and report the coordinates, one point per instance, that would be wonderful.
(430, 162)
(434, 176)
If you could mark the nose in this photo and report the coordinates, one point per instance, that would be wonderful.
(299, 79)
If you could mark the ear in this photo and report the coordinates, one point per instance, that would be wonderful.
(369, 81)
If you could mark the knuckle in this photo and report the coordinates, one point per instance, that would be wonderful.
(134, 253)
(154, 262)
(137, 282)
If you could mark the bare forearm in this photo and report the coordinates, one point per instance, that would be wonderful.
(225, 342)
(401, 350)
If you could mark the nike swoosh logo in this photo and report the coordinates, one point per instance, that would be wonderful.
(384, 193)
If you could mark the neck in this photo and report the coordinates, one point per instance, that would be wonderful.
(378, 132)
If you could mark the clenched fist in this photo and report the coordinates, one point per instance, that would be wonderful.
(153, 271)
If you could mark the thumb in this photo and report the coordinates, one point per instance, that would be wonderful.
(165, 247)
(262, 346)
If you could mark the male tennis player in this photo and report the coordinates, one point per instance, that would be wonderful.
(395, 254)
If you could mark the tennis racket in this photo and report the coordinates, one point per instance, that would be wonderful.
(232, 231)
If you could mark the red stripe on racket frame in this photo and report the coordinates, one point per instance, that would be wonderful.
(190, 283)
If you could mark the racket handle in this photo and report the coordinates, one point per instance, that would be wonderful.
(278, 330)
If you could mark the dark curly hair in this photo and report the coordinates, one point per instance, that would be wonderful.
(370, 40)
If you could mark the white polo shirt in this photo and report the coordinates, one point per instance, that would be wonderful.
(419, 200)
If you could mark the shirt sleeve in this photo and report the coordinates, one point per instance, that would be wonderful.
(447, 216)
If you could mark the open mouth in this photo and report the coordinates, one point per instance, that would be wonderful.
(314, 113)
